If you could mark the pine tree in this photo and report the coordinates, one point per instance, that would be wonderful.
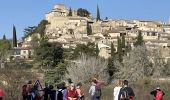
(119, 49)
(98, 14)
(4, 37)
(14, 37)
(140, 40)
(89, 29)
(70, 12)
(112, 50)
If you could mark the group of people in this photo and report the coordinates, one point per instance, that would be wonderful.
(64, 91)
(123, 92)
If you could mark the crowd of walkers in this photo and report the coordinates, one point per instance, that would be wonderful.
(64, 91)
(71, 91)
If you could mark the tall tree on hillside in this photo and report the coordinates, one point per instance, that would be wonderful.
(70, 12)
(119, 49)
(29, 31)
(140, 40)
(83, 12)
(14, 37)
(98, 14)
(112, 50)
(97, 50)
(41, 27)
(89, 29)
(123, 41)
(4, 37)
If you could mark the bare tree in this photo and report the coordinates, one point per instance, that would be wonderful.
(135, 65)
(82, 69)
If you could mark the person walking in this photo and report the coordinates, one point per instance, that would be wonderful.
(24, 92)
(117, 90)
(79, 91)
(1, 94)
(29, 89)
(157, 93)
(92, 91)
(72, 93)
(126, 92)
(46, 91)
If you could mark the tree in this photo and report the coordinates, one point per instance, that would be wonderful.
(113, 50)
(136, 65)
(48, 54)
(70, 12)
(98, 14)
(41, 27)
(89, 49)
(4, 37)
(119, 49)
(85, 67)
(14, 37)
(97, 50)
(55, 75)
(123, 42)
(89, 29)
(29, 31)
(83, 12)
(140, 40)
(106, 18)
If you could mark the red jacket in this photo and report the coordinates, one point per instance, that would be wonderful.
(72, 94)
(1, 92)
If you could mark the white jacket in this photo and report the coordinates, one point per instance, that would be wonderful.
(116, 92)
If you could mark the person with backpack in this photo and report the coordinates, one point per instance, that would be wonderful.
(126, 92)
(52, 93)
(92, 91)
(117, 90)
(72, 93)
(158, 93)
(24, 92)
(29, 89)
(46, 91)
(1, 94)
(59, 92)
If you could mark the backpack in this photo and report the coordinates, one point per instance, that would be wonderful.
(159, 95)
(124, 95)
(60, 95)
(98, 92)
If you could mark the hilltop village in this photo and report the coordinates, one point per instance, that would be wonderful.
(70, 27)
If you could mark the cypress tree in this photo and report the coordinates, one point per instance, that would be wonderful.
(112, 50)
(70, 12)
(98, 14)
(140, 40)
(97, 50)
(14, 37)
(89, 29)
(4, 37)
(119, 49)
(123, 43)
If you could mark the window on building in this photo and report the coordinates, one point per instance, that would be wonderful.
(24, 52)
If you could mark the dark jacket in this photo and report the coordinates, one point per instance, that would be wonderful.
(128, 89)
(155, 92)
(52, 94)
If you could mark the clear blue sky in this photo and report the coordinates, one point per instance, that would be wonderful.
(23, 13)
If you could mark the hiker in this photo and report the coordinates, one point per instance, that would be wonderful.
(126, 92)
(158, 93)
(24, 92)
(79, 91)
(35, 95)
(99, 84)
(29, 89)
(59, 92)
(1, 94)
(64, 90)
(72, 93)
(52, 93)
(92, 91)
(117, 90)
(46, 91)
